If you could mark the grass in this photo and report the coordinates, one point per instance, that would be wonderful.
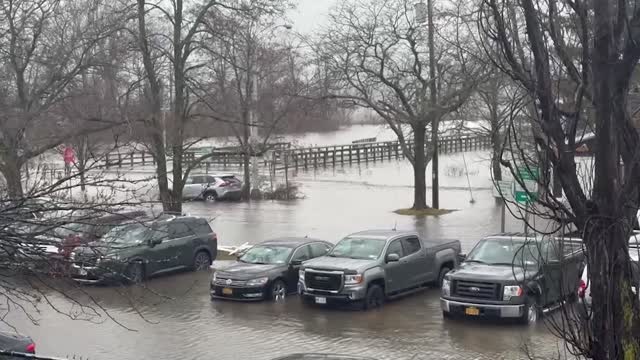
(423, 212)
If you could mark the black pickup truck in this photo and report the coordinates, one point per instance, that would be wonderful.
(513, 276)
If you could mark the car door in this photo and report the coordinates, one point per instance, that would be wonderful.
(158, 257)
(396, 271)
(190, 189)
(417, 267)
(301, 254)
(182, 242)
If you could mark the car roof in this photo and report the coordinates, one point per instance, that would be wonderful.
(214, 175)
(382, 234)
(291, 241)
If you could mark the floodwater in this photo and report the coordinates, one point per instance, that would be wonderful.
(175, 319)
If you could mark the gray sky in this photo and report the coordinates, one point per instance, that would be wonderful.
(310, 14)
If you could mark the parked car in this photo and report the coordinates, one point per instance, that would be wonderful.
(212, 187)
(14, 343)
(314, 356)
(371, 266)
(136, 251)
(89, 229)
(584, 288)
(513, 276)
(268, 270)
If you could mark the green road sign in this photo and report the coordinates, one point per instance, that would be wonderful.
(529, 176)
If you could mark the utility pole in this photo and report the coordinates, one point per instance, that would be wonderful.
(435, 202)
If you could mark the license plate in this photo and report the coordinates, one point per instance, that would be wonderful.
(321, 300)
(83, 272)
(227, 291)
(472, 311)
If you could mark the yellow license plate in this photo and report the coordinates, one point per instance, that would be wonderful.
(227, 291)
(472, 311)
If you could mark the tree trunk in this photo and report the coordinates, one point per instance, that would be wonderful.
(496, 144)
(419, 168)
(246, 167)
(11, 172)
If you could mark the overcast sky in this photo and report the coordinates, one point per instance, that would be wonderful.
(310, 14)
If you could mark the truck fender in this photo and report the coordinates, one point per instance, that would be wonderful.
(445, 256)
(532, 287)
(374, 274)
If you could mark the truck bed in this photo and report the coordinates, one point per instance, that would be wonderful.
(439, 245)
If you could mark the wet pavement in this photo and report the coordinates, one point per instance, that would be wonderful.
(175, 319)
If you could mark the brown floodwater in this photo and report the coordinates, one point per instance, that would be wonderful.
(173, 318)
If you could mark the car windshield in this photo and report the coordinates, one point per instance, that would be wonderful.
(266, 254)
(358, 248)
(72, 229)
(128, 234)
(506, 252)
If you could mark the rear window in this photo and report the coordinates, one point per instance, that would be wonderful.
(180, 229)
(201, 227)
(230, 179)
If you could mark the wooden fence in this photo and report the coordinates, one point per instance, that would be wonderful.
(285, 157)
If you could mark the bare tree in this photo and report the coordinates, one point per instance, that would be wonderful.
(378, 51)
(47, 45)
(591, 48)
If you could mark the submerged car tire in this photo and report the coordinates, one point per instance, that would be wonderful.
(210, 196)
(201, 261)
(443, 272)
(278, 291)
(531, 314)
(374, 298)
(135, 273)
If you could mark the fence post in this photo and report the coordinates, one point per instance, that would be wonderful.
(106, 159)
(119, 160)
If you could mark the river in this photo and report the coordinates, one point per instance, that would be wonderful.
(175, 319)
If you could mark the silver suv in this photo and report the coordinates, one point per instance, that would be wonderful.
(212, 187)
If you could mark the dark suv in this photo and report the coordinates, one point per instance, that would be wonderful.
(136, 251)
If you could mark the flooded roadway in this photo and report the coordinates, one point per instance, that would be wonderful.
(175, 319)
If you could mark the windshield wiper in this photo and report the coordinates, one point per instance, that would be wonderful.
(475, 261)
(503, 264)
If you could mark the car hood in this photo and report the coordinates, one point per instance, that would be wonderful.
(336, 263)
(244, 271)
(497, 273)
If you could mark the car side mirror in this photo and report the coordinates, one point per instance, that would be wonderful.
(393, 258)
(462, 257)
(154, 242)
(295, 262)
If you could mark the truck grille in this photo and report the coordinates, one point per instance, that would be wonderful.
(85, 260)
(476, 290)
(323, 281)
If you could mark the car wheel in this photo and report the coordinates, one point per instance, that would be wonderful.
(532, 313)
(202, 261)
(210, 196)
(374, 298)
(278, 291)
(443, 272)
(135, 273)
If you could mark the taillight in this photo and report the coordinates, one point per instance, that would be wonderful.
(31, 348)
(225, 184)
(582, 289)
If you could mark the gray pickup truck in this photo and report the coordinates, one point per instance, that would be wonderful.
(371, 266)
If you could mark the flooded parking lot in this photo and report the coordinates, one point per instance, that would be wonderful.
(175, 319)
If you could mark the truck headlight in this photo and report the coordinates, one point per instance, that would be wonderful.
(301, 274)
(353, 279)
(258, 282)
(511, 291)
(446, 287)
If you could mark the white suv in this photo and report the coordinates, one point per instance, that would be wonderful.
(212, 187)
